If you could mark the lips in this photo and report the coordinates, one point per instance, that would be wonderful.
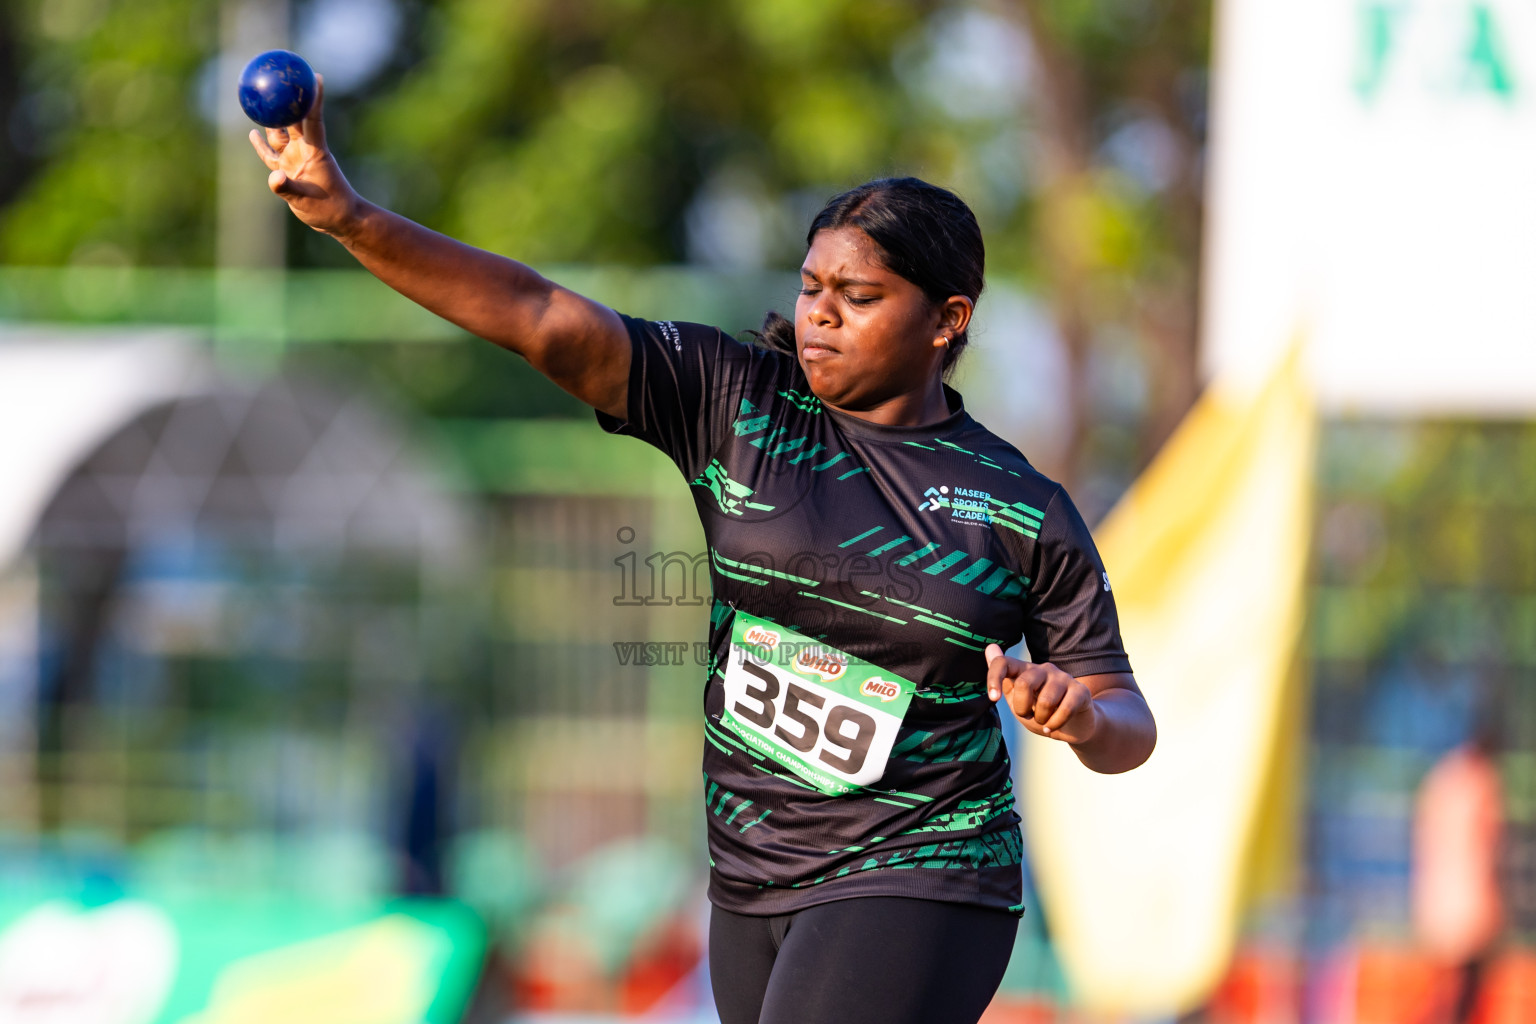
(815, 350)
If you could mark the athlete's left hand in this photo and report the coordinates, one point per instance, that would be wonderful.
(1047, 700)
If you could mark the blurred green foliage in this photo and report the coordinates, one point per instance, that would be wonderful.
(1126, 85)
(120, 165)
(645, 132)
(552, 131)
(1120, 97)
(566, 131)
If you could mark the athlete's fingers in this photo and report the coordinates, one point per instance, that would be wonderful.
(1053, 688)
(1004, 692)
(1073, 702)
(292, 188)
(997, 667)
(263, 150)
(278, 139)
(1003, 677)
(312, 127)
(1026, 681)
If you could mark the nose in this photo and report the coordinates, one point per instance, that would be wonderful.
(819, 312)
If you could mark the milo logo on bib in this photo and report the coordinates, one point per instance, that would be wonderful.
(762, 637)
(823, 715)
(822, 662)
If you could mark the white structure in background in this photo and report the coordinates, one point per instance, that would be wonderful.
(114, 443)
(62, 395)
(303, 467)
(1374, 190)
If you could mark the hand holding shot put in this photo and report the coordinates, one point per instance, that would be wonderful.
(304, 173)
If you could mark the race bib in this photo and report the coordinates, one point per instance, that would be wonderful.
(826, 717)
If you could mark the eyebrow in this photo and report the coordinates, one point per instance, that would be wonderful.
(854, 281)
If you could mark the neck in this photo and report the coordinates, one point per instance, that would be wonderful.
(914, 409)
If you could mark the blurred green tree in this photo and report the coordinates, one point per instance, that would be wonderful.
(589, 132)
(111, 162)
(551, 131)
(658, 131)
(1119, 108)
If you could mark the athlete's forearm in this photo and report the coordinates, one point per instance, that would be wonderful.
(1125, 735)
(577, 343)
(488, 295)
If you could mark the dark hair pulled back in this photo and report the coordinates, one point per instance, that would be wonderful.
(924, 233)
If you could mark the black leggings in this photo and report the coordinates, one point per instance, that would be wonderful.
(886, 959)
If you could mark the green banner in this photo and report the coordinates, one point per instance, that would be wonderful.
(236, 959)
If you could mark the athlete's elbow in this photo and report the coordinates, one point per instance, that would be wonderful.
(1129, 749)
(1143, 741)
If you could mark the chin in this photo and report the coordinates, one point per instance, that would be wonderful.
(828, 391)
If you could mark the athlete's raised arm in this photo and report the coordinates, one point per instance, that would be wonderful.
(577, 343)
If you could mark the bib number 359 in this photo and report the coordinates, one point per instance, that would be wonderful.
(839, 735)
(828, 719)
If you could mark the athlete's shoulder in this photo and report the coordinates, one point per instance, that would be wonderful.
(1005, 464)
(678, 335)
(711, 359)
(1042, 501)
(682, 334)
(679, 339)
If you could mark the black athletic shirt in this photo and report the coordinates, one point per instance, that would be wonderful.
(906, 548)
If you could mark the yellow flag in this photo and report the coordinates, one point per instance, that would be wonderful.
(1143, 876)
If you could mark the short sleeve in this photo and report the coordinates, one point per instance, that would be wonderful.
(1070, 618)
(685, 384)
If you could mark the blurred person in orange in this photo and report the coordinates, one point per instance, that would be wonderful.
(873, 550)
(1458, 830)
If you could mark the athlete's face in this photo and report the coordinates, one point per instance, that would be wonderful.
(871, 342)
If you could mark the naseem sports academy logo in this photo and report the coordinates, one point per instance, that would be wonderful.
(964, 503)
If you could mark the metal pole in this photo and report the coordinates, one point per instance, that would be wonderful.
(250, 247)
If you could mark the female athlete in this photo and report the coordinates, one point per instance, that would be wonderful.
(872, 551)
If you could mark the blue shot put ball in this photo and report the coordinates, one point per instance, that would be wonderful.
(277, 88)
